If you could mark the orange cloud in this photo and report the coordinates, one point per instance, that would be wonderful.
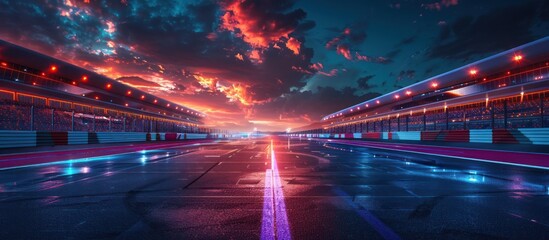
(239, 57)
(294, 45)
(206, 82)
(255, 56)
(237, 93)
(344, 50)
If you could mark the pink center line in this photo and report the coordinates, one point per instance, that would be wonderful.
(275, 220)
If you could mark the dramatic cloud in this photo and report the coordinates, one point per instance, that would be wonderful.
(364, 82)
(261, 23)
(294, 45)
(487, 33)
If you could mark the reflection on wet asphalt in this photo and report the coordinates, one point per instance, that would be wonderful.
(219, 191)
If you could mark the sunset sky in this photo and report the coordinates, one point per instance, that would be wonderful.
(271, 64)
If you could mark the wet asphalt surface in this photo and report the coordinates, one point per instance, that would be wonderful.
(329, 191)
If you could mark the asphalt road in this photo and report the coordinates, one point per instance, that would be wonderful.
(238, 190)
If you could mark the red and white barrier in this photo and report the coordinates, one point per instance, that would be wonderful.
(539, 136)
(12, 139)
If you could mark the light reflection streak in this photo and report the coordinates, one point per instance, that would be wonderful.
(274, 208)
(267, 224)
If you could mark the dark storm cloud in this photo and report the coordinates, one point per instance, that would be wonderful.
(273, 80)
(352, 35)
(364, 82)
(499, 29)
(406, 74)
(304, 27)
(205, 14)
(41, 27)
(306, 104)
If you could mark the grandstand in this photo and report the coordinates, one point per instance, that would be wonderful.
(45, 101)
(507, 93)
(40, 93)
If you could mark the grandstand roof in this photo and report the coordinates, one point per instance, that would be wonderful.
(87, 79)
(523, 55)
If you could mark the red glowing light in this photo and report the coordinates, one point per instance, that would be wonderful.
(96, 98)
(4, 64)
(73, 83)
(473, 71)
(408, 92)
(167, 105)
(109, 85)
(517, 58)
(53, 68)
(397, 96)
(129, 92)
(34, 83)
(43, 74)
(377, 101)
(142, 96)
(434, 84)
(126, 104)
(155, 101)
(84, 78)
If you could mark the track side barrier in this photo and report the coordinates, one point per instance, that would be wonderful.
(537, 136)
(13, 139)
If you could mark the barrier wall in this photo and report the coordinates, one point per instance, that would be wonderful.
(415, 136)
(538, 136)
(13, 139)
(480, 136)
